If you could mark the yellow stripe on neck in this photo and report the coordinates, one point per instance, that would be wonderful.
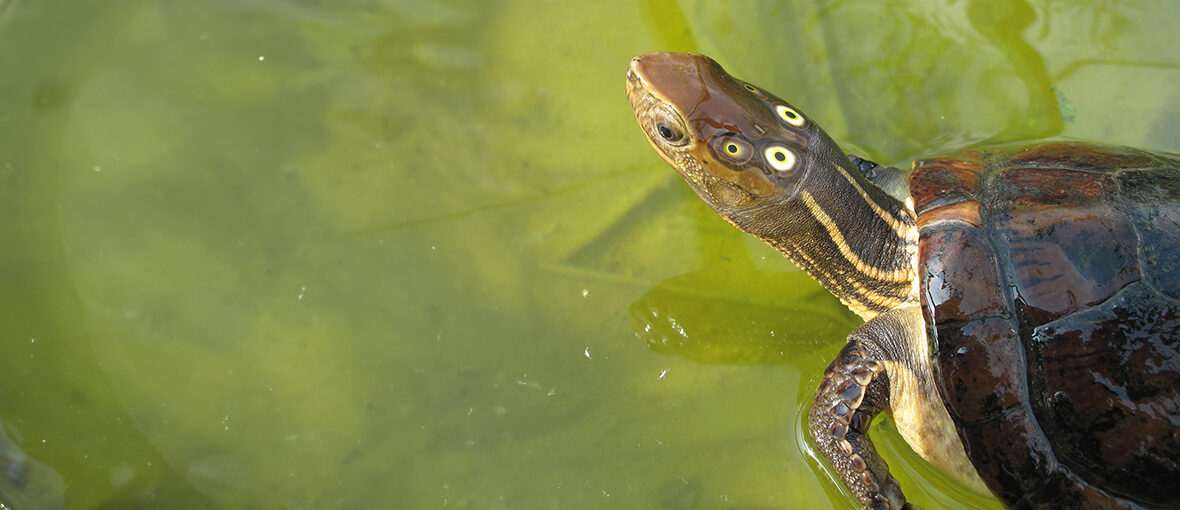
(904, 231)
(863, 302)
(893, 276)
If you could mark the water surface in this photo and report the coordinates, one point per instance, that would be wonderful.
(395, 254)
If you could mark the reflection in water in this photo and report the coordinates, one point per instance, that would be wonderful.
(717, 317)
(1003, 24)
(26, 483)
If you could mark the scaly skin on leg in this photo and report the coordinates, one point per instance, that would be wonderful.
(885, 365)
(854, 389)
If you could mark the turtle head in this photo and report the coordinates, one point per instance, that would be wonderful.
(739, 147)
(769, 170)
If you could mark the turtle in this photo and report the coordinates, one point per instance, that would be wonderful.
(1021, 302)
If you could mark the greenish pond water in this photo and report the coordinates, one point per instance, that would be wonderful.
(417, 254)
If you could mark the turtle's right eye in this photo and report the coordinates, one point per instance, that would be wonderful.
(665, 127)
(665, 131)
(670, 132)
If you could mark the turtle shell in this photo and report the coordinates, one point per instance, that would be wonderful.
(1050, 280)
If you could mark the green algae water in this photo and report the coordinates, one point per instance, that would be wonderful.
(417, 254)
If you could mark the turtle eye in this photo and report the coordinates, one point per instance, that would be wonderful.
(780, 158)
(670, 133)
(664, 126)
(790, 116)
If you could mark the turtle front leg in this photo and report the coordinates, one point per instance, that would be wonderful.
(891, 180)
(854, 389)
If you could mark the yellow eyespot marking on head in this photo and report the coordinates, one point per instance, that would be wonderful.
(790, 116)
(780, 158)
(757, 92)
(732, 149)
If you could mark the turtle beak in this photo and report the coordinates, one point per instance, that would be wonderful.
(635, 85)
(632, 75)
